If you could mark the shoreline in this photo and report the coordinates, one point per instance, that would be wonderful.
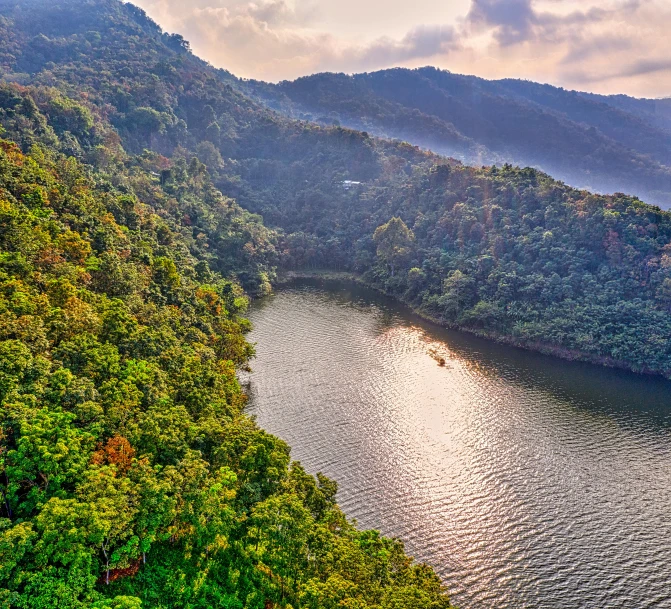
(564, 353)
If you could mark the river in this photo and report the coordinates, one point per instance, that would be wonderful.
(526, 481)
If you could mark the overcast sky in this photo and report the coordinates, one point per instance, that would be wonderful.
(606, 46)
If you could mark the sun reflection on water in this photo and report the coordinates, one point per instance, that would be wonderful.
(525, 481)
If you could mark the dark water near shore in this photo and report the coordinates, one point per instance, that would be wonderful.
(526, 481)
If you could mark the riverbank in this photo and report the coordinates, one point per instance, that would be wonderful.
(503, 339)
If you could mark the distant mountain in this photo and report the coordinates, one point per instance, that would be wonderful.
(602, 143)
(655, 111)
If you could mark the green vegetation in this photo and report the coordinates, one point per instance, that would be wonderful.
(393, 241)
(129, 474)
(607, 143)
(133, 182)
(512, 254)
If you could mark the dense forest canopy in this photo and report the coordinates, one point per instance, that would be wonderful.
(143, 196)
(607, 143)
(129, 474)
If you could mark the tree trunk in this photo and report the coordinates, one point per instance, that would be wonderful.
(107, 567)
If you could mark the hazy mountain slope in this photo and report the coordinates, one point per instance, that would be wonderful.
(629, 128)
(654, 111)
(358, 106)
(585, 140)
(160, 96)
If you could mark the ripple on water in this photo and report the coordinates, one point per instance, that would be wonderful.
(526, 482)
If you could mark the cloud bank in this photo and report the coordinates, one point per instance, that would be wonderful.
(604, 46)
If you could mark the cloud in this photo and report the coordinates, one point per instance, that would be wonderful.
(646, 66)
(608, 47)
(517, 21)
(274, 13)
(276, 38)
(599, 46)
(422, 42)
(643, 67)
(261, 39)
(512, 20)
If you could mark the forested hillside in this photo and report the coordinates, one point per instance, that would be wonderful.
(512, 254)
(142, 195)
(548, 266)
(611, 144)
(130, 475)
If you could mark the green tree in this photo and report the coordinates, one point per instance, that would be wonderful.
(458, 293)
(112, 501)
(394, 242)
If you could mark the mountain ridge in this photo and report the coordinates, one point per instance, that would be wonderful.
(617, 144)
(325, 190)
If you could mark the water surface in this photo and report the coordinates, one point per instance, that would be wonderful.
(525, 481)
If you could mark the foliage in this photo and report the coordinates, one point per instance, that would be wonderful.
(129, 474)
(512, 254)
(608, 143)
(394, 240)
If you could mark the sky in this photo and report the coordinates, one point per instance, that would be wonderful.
(604, 46)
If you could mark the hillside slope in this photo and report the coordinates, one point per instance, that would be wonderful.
(608, 144)
(130, 475)
(546, 266)
(140, 191)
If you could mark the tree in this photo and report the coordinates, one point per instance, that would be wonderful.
(394, 242)
(112, 501)
(15, 542)
(458, 293)
(281, 525)
(51, 453)
(664, 293)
